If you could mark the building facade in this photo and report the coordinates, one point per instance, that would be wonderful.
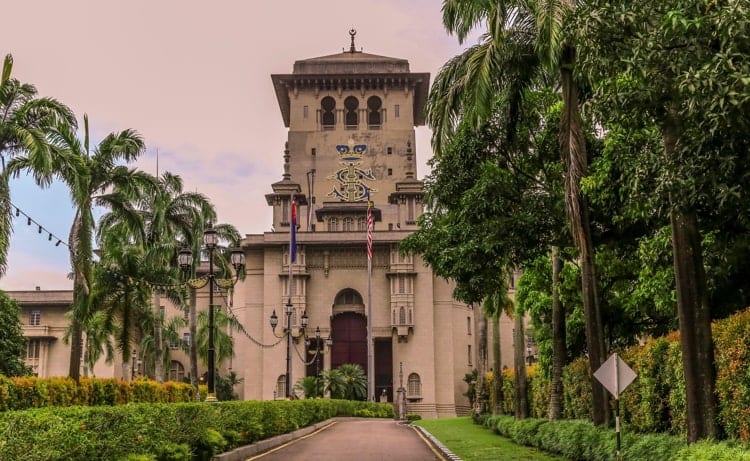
(350, 154)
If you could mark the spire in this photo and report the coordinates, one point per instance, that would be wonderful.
(287, 175)
(352, 33)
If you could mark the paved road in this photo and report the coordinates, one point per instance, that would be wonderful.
(356, 439)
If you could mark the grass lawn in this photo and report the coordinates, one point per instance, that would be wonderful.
(472, 442)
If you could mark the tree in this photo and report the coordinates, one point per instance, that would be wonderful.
(90, 176)
(25, 121)
(682, 68)
(12, 341)
(532, 33)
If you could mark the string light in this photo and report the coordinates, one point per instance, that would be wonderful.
(40, 228)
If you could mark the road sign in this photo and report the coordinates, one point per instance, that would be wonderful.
(615, 375)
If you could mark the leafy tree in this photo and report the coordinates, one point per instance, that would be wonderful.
(681, 67)
(12, 341)
(522, 38)
(311, 386)
(25, 121)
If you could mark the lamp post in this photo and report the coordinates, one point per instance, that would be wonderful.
(185, 259)
(289, 308)
(132, 369)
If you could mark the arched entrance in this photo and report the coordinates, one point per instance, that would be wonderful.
(349, 334)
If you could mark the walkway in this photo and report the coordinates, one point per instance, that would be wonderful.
(358, 440)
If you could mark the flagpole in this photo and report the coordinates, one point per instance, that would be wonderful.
(290, 306)
(370, 355)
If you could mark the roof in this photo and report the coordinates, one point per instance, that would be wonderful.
(352, 68)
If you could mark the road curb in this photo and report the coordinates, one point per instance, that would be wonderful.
(437, 444)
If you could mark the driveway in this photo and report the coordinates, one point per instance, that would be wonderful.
(358, 440)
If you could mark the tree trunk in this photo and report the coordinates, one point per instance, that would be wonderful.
(519, 363)
(575, 162)
(693, 311)
(158, 343)
(481, 361)
(497, 364)
(193, 348)
(559, 347)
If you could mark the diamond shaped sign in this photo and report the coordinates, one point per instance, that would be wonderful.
(615, 375)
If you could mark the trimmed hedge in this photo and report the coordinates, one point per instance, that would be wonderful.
(31, 392)
(581, 440)
(159, 430)
(655, 402)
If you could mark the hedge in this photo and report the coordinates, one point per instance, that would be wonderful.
(31, 392)
(581, 440)
(159, 430)
(655, 401)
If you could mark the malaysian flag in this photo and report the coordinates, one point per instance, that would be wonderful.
(370, 225)
(293, 233)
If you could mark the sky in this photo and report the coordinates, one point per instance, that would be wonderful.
(194, 79)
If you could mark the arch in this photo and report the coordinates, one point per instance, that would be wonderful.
(280, 387)
(361, 223)
(348, 224)
(374, 104)
(414, 386)
(176, 371)
(348, 296)
(402, 315)
(351, 116)
(328, 112)
(333, 224)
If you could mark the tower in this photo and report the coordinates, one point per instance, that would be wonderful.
(351, 144)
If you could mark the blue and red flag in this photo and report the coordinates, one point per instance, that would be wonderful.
(293, 232)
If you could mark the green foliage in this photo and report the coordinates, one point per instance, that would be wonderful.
(411, 417)
(173, 452)
(347, 381)
(311, 386)
(12, 341)
(161, 431)
(21, 393)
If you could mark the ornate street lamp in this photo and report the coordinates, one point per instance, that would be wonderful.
(185, 259)
(289, 309)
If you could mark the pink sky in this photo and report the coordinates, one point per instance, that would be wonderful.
(194, 79)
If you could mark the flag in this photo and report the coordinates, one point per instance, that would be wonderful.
(369, 229)
(293, 233)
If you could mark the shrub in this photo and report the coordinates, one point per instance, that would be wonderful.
(173, 452)
(411, 417)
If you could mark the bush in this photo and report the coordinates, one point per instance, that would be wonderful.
(411, 417)
(173, 452)
(160, 430)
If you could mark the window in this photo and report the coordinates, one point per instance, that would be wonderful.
(348, 297)
(173, 344)
(401, 315)
(186, 338)
(390, 171)
(373, 111)
(304, 112)
(414, 386)
(328, 112)
(333, 225)
(285, 211)
(351, 117)
(348, 224)
(468, 325)
(396, 110)
(410, 209)
(469, 354)
(401, 284)
(280, 387)
(389, 150)
(313, 151)
(176, 371)
(361, 223)
(35, 318)
(32, 348)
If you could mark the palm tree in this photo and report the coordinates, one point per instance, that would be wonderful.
(90, 177)
(172, 216)
(354, 381)
(522, 39)
(559, 347)
(223, 341)
(24, 124)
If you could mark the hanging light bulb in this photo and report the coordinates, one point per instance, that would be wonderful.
(49, 237)
(18, 212)
(40, 229)
(28, 221)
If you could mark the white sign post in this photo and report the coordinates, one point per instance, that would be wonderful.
(615, 375)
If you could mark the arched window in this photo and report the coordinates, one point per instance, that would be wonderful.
(361, 223)
(351, 117)
(402, 315)
(328, 112)
(333, 225)
(414, 388)
(348, 224)
(176, 371)
(349, 297)
(373, 111)
(280, 387)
